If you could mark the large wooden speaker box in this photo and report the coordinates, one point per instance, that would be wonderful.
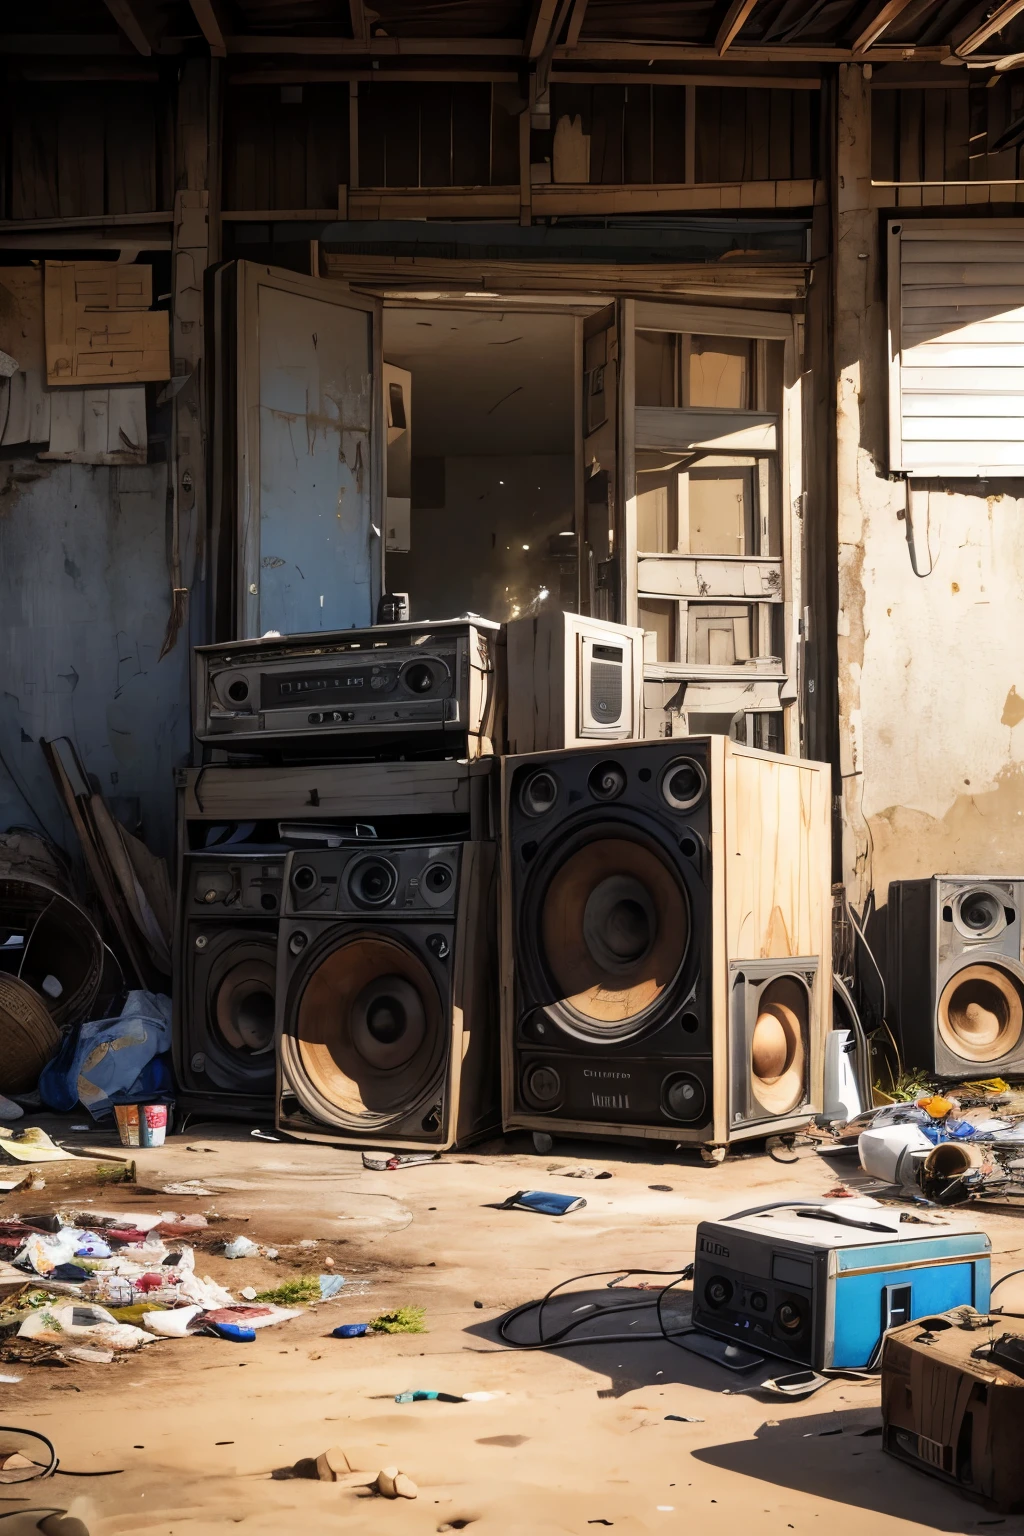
(387, 1024)
(666, 940)
(956, 982)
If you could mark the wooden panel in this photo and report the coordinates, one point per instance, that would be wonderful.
(672, 429)
(711, 577)
(351, 790)
(669, 133)
(778, 883)
(717, 321)
(638, 136)
(130, 147)
(79, 158)
(96, 331)
(34, 165)
(759, 695)
(98, 426)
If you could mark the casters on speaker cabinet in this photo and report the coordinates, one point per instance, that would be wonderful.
(542, 1142)
(713, 1155)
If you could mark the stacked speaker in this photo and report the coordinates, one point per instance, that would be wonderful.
(956, 978)
(391, 935)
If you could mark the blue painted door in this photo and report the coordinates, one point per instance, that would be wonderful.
(310, 491)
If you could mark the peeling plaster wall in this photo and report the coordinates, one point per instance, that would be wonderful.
(84, 598)
(931, 665)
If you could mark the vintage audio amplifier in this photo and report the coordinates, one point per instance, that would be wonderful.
(432, 687)
(821, 1285)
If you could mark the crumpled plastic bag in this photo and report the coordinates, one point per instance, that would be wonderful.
(206, 1293)
(101, 1066)
(172, 1324)
(57, 1325)
(46, 1251)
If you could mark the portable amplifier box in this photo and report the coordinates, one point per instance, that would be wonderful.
(424, 687)
(821, 1285)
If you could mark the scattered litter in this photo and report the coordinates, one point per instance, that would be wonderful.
(380, 1162)
(141, 1125)
(32, 1145)
(682, 1418)
(394, 1484)
(427, 1395)
(733, 1356)
(173, 1323)
(542, 1202)
(240, 1248)
(580, 1171)
(89, 1354)
(248, 1293)
(187, 1187)
(481, 1397)
(350, 1331)
(331, 1285)
(794, 1385)
(55, 1325)
(80, 1127)
(401, 1320)
(233, 1332)
(9, 1380)
(665, 1189)
(263, 1135)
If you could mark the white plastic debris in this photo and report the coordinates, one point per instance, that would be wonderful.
(171, 1324)
(240, 1248)
(81, 1322)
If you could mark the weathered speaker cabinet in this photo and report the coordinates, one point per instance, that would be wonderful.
(573, 681)
(666, 941)
(956, 982)
(386, 999)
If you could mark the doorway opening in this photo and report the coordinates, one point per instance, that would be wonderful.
(490, 411)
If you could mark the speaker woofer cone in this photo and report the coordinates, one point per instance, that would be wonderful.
(683, 784)
(243, 1007)
(778, 1046)
(613, 931)
(538, 793)
(981, 1012)
(368, 1031)
(372, 881)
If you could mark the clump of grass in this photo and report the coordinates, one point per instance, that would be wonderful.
(401, 1320)
(304, 1288)
(910, 1085)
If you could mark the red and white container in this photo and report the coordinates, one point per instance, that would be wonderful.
(141, 1125)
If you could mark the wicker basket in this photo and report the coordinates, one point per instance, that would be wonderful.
(28, 1035)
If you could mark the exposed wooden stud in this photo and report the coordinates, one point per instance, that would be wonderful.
(122, 12)
(733, 23)
(525, 184)
(310, 75)
(209, 24)
(883, 19)
(539, 31)
(690, 134)
(359, 20)
(996, 22)
(596, 52)
(353, 133)
(579, 11)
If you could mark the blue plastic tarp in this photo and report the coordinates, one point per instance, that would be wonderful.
(113, 1061)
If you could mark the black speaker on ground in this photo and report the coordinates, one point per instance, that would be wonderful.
(955, 978)
(226, 955)
(637, 912)
(387, 1004)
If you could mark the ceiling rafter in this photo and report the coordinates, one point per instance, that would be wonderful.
(882, 20)
(733, 23)
(209, 24)
(539, 31)
(579, 11)
(122, 12)
(996, 22)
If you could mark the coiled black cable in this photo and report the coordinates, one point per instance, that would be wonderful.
(560, 1338)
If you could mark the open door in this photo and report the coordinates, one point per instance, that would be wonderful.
(309, 482)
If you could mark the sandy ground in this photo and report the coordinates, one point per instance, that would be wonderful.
(579, 1441)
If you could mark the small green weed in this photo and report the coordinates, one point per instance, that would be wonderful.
(401, 1320)
(305, 1288)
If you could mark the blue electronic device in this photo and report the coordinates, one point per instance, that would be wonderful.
(820, 1284)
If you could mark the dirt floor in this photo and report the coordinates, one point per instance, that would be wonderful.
(578, 1440)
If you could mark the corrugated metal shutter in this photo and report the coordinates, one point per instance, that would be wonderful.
(956, 347)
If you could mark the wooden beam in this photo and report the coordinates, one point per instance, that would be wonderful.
(122, 12)
(209, 25)
(884, 18)
(579, 11)
(733, 22)
(996, 22)
(359, 20)
(539, 30)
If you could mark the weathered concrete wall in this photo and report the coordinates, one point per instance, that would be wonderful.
(84, 598)
(931, 606)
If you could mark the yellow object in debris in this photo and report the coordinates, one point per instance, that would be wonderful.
(936, 1106)
(32, 1145)
(992, 1084)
